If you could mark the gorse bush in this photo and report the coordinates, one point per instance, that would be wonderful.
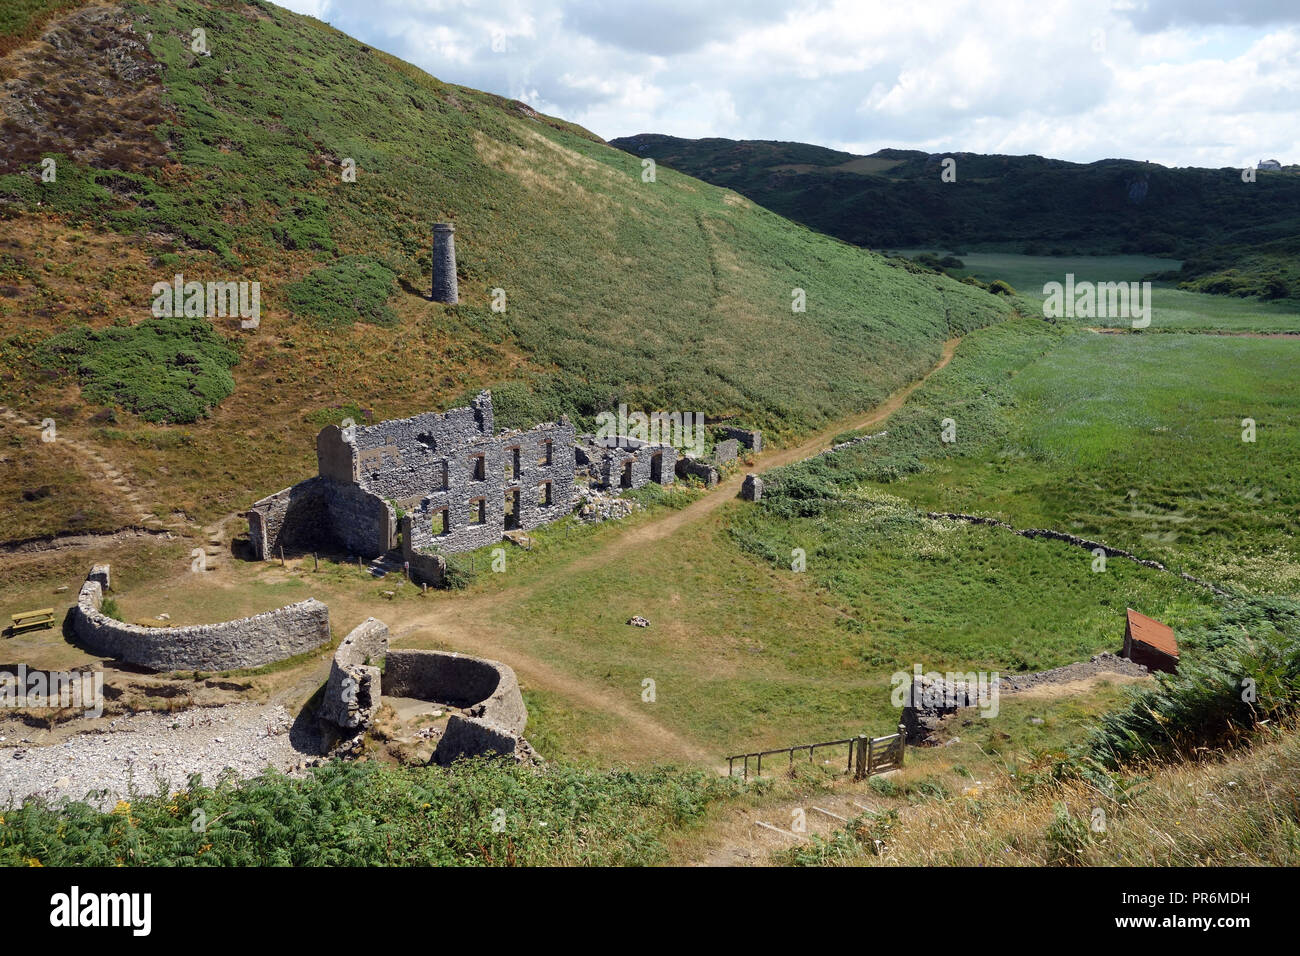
(165, 370)
(355, 288)
(366, 814)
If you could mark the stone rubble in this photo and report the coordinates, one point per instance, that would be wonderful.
(141, 749)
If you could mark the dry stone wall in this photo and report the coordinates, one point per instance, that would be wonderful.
(352, 693)
(248, 642)
(493, 717)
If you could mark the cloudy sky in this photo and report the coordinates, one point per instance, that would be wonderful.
(1180, 82)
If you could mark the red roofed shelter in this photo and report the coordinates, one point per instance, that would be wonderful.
(1148, 642)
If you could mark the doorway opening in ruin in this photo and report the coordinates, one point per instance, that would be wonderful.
(512, 509)
(657, 467)
(626, 480)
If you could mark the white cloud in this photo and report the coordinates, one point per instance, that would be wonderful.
(1175, 81)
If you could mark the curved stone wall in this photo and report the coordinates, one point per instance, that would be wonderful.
(248, 642)
(353, 689)
(488, 690)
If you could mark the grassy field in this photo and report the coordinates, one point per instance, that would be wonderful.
(1172, 309)
(1135, 440)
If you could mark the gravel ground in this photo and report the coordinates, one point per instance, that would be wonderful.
(140, 749)
(1103, 663)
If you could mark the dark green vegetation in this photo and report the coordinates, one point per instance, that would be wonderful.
(1241, 237)
(367, 814)
(1133, 440)
(668, 295)
(1266, 270)
(352, 288)
(1243, 670)
(164, 370)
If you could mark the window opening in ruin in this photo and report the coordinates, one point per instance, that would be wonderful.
(427, 441)
(442, 484)
(441, 522)
(512, 510)
(546, 452)
(544, 494)
(478, 511)
(512, 464)
(478, 468)
(626, 480)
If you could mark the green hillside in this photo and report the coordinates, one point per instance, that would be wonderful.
(226, 163)
(895, 198)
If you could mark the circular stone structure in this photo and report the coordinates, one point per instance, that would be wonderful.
(487, 692)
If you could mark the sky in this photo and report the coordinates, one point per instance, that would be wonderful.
(1179, 82)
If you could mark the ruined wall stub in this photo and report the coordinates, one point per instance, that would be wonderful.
(622, 464)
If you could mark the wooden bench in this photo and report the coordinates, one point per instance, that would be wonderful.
(29, 619)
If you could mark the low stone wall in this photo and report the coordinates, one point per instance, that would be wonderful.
(1078, 542)
(694, 468)
(494, 714)
(248, 642)
(753, 440)
(486, 689)
(725, 452)
(473, 737)
(353, 690)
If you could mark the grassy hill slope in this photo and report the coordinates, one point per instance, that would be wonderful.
(227, 165)
(896, 197)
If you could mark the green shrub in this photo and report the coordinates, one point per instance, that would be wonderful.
(481, 813)
(354, 288)
(165, 370)
(1241, 671)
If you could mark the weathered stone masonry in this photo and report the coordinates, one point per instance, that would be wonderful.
(487, 691)
(623, 464)
(459, 485)
(248, 642)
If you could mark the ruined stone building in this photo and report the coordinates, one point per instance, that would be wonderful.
(622, 463)
(458, 484)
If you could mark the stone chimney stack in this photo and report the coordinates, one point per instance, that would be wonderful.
(444, 263)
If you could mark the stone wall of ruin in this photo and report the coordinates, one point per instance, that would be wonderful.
(248, 642)
(352, 693)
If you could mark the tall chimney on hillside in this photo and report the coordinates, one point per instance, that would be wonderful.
(444, 262)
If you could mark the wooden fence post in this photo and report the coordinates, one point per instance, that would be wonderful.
(861, 769)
